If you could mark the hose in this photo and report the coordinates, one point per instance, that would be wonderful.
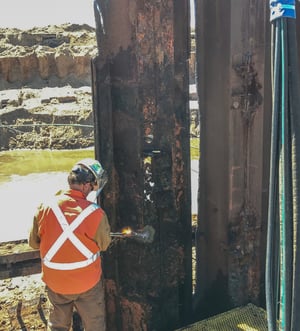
(271, 251)
(294, 100)
(282, 255)
(286, 201)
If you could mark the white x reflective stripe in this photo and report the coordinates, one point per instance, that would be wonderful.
(71, 265)
(68, 234)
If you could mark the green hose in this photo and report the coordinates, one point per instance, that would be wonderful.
(283, 258)
(271, 254)
(282, 189)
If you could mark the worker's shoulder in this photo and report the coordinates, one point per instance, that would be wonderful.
(97, 208)
(99, 212)
(93, 205)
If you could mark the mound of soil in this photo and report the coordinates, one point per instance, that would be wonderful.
(45, 82)
(52, 118)
(56, 55)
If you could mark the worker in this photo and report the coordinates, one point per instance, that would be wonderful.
(71, 232)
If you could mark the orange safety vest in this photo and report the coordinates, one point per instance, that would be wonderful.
(70, 256)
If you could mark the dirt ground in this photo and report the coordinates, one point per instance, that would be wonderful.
(23, 304)
(23, 299)
(45, 87)
(50, 117)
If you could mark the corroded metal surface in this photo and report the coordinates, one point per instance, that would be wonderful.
(140, 82)
(235, 103)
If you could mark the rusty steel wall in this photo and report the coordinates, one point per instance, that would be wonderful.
(234, 87)
(140, 94)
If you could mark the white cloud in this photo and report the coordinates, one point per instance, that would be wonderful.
(25, 14)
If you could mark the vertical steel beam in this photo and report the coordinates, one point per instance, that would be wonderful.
(140, 89)
(233, 70)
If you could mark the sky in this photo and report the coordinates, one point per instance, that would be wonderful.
(26, 14)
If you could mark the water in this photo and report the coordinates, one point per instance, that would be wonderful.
(28, 177)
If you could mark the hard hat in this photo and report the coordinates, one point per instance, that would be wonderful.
(96, 169)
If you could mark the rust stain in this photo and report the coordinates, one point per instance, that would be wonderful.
(132, 315)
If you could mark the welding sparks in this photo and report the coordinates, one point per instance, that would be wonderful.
(126, 231)
(143, 235)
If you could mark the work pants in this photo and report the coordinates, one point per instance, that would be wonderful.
(90, 306)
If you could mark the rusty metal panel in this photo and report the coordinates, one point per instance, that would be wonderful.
(140, 88)
(233, 59)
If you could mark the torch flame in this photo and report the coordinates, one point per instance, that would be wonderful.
(126, 231)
